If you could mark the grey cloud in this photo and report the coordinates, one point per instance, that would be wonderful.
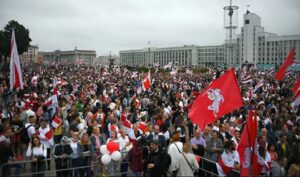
(113, 25)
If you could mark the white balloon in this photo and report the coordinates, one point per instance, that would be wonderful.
(116, 156)
(104, 150)
(105, 159)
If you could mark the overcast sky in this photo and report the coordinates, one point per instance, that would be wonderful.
(114, 25)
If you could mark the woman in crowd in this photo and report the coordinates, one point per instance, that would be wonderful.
(187, 163)
(113, 166)
(87, 151)
(37, 153)
(62, 153)
(58, 131)
(45, 135)
(175, 150)
(76, 159)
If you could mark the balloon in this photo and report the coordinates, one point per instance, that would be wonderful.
(116, 156)
(105, 159)
(112, 146)
(104, 150)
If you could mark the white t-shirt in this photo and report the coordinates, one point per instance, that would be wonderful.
(30, 130)
(74, 146)
(122, 142)
(37, 151)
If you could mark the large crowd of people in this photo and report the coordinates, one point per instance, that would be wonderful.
(96, 105)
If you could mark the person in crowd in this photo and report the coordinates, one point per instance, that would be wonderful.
(237, 137)
(223, 134)
(87, 152)
(283, 146)
(7, 156)
(30, 126)
(97, 140)
(157, 161)
(136, 159)
(62, 153)
(113, 166)
(16, 126)
(187, 163)
(294, 161)
(272, 151)
(45, 136)
(37, 153)
(214, 148)
(157, 135)
(264, 161)
(77, 155)
(135, 133)
(198, 143)
(278, 167)
(125, 145)
(175, 150)
(206, 133)
(229, 161)
(59, 130)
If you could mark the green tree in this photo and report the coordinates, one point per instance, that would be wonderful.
(22, 39)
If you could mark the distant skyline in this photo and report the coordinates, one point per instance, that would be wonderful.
(114, 25)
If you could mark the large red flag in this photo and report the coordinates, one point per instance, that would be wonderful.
(16, 80)
(147, 81)
(296, 87)
(288, 62)
(247, 143)
(222, 96)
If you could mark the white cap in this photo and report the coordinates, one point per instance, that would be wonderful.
(215, 128)
(178, 129)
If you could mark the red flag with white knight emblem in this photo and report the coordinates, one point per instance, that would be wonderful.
(222, 96)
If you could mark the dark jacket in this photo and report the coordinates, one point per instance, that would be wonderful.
(59, 150)
(162, 142)
(281, 152)
(160, 162)
(93, 140)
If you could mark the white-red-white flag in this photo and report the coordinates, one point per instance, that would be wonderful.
(147, 81)
(16, 80)
(56, 121)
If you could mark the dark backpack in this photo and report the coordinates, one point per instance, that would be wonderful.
(166, 161)
(25, 139)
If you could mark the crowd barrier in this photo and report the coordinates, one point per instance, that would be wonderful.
(207, 168)
(27, 165)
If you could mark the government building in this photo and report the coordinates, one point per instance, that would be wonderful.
(252, 46)
(70, 56)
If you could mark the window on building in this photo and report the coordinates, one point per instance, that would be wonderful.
(247, 21)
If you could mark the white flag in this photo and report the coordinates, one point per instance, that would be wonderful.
(16, 80)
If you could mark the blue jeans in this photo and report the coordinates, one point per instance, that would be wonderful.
(75, 163)
(136, 174)
(124, 168)
(6, 168)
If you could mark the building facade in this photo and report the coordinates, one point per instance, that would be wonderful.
(252, 46)
(105, 60)
(31, 55)
(71, 56)
(182, 56)
(255, 46)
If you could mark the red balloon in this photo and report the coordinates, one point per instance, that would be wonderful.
(112, 146)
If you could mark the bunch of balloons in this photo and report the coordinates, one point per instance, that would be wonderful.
(110, 151)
